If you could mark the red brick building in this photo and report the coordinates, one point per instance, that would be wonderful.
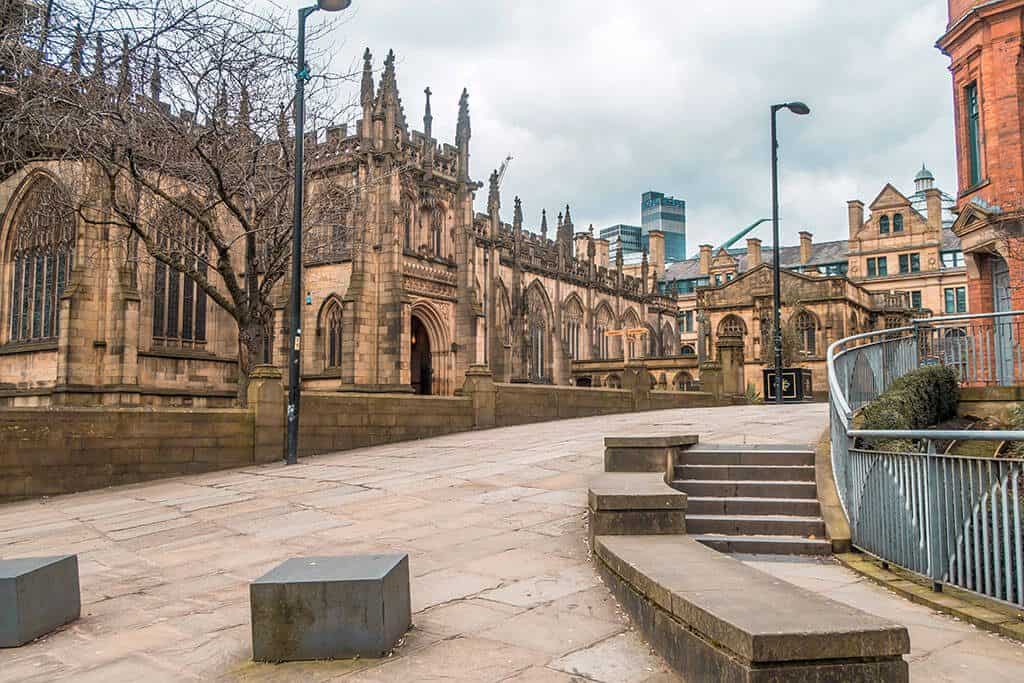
(985, 43)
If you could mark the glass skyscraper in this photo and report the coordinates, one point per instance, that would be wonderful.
(628, 238)
(668, 215)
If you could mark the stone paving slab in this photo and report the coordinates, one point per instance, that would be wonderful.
(494, 523)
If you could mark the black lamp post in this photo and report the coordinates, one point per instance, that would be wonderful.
(294, 355)
(800, 109)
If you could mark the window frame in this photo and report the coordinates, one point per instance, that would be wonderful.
(972, 118)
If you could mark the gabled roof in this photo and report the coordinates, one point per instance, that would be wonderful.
(889, 196)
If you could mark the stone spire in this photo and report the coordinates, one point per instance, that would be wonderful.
(155, 82)
(493, 192)
(591, 245)
(566, 230)
(367, 88)
(98, 64)
(244, 107)
(428, 118)
(124, 78)
(76, 51)
(463, 131)
(220, 110)
(517, 217)
(282, 125)
(544, 223)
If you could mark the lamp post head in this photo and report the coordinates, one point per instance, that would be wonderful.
(798, 108)
(333, 5)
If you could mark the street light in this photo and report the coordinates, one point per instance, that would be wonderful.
(294, 379)
(800, 109)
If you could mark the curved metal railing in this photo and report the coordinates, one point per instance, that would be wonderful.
(956, 519)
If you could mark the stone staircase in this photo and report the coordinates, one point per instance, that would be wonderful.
(752, 499)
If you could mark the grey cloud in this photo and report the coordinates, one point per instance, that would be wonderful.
(600, 101)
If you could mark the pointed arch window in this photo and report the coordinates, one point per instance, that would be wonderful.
(41, 255)
(179, 303)
(732, 326)
(602, 325)
(573, 324)
(437, 233)
(807, 333)
(333, 338)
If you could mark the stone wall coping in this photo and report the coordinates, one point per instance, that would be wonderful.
(371, 396)
(118, 410)
(651, 441)
(634, 491)
(756, 617)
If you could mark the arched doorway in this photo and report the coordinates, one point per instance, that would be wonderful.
(420, 365)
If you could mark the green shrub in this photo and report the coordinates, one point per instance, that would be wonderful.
(918, 400)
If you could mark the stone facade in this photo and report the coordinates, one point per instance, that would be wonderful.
(985, 43)
(830, 290)
(415, 290)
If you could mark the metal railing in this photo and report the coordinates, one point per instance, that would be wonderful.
(955, 519)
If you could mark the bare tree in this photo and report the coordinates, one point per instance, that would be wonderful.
(178, 113)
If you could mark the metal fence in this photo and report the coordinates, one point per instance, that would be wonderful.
(955, 519)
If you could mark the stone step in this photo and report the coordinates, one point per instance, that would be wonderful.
(744, 455)
(765, 545)
(756, 525)
(747, 489)
(730, 505)
(746, 472)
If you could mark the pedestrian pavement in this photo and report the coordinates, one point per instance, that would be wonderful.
(493, 521)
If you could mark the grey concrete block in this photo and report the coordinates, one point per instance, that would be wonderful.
(330, 608)
(37, 595)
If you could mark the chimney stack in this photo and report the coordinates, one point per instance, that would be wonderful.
(705, 259)
(933, 203)
(601, 253)
(656, 247)
(855, 211)
(805, 247)
(753, 253)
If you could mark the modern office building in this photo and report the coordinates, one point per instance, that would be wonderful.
(668, 215)
(628, 238)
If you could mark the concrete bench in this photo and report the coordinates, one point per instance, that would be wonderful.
(37, 595)
(330, 608)
(714, 618)
(644, 453)
(635, 503)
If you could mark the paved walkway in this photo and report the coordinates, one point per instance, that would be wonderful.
(942, 648)
(493, 522)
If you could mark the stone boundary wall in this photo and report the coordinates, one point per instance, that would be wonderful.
(50, 451)
(526, 403)
(339, 422)
(55, 450)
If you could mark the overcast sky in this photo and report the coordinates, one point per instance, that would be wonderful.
(599, 101)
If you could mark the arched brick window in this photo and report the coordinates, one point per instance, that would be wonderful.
(333, 336)
(41, 253)
(179, 304)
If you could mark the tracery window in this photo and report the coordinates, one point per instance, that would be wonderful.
(538, 326)
(41, 255)
(807, 333)
(602, 324)
(333, 336)
(732, 326)
(179, 304)
(573, 325)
